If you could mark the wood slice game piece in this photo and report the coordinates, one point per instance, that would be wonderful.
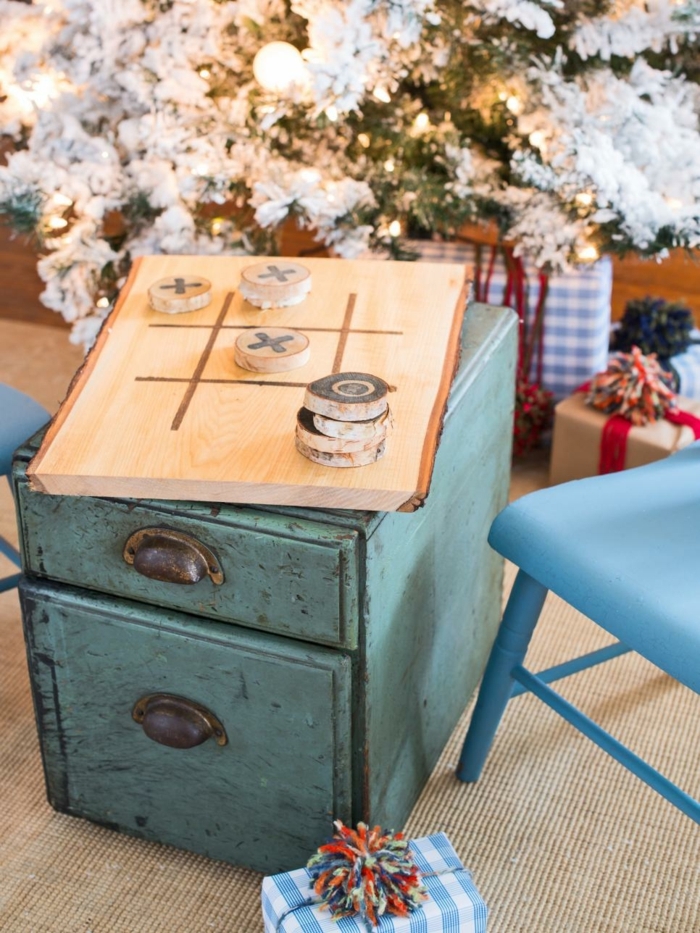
(178, 293)
(275, 284)
(271, 350)
(348, 396)
(357, 459)
(309, 434)
(375, 428)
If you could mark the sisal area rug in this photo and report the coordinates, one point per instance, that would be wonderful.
(558, 836)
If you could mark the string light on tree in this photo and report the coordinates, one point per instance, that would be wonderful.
(588, 253)
(382, 94)
(422, 122)
(514, 104)
(61, 200)
(278, 66)
(102, 302)
(395, 228)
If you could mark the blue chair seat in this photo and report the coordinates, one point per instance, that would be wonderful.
(623, 549)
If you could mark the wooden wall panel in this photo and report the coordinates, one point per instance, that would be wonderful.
(20, 285)
(676, 279)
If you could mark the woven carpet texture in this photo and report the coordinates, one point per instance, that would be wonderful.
(558, 836)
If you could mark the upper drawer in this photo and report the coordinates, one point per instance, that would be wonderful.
(280, 574)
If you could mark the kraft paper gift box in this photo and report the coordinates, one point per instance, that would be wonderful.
(577, 434)
(576, 313)
(453, 906)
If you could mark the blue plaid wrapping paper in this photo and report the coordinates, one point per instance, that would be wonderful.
(576, 317)
(687, 365)
(454, 904)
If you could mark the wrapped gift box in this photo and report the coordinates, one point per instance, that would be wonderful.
(687, 365)
(577, 433)
(577, 311)
(454, 905)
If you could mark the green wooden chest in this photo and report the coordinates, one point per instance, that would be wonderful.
(319, 680)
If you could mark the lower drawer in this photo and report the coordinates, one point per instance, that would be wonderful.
(265, 798)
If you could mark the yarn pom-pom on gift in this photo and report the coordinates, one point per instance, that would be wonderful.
(366, 873)
(633, 386)
(655, 326)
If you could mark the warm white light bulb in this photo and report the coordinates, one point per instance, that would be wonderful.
(395, 228)
(537, 139)
(514, 104)
(332, 113)
(57, 223)
(389, 165)
(278, 66)
(382, 94)
(422, 122)
(311, 175)
(584, 198)
(216, 225)
(588, 253)
(103, 302)
(204, 73)
(364, 140)
(60, 200)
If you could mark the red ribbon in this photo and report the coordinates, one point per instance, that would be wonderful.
(613, 444)
(613, 440)
(531, 333)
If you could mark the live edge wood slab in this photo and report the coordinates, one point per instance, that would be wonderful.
(161, 410)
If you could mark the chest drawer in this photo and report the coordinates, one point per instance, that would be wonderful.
(264, 798)
(274, 572)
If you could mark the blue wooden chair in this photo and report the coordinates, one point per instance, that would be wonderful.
(624, 549)
(20, 416)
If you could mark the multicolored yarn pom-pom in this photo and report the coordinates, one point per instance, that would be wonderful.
(634, 387)
(366, 873)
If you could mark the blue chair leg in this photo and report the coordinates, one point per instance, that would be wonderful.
(10, 552)
(509, 649)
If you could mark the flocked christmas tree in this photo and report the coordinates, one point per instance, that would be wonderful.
(142, 126)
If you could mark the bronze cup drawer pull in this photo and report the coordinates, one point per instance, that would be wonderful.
(176, 721)
(171, 557)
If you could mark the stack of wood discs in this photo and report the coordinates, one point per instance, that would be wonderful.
(344, 421)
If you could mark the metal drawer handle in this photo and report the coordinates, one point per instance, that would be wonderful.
(176, 721)
(171, 556)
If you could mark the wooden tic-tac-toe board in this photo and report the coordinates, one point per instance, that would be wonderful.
(161, 409)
